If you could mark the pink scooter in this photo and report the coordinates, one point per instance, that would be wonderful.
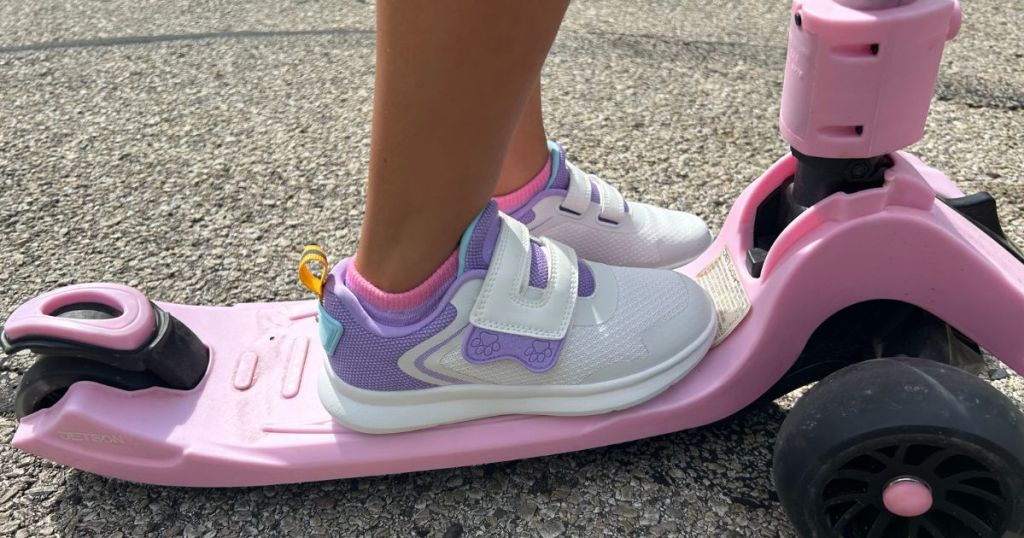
(848, 260)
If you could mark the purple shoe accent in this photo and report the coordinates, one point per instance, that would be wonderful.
(538, 266)
(560, 180)
(595, 197)
(539, 272)
(559, 186)
(479, 248)
(408, 316)
(369, 360)
(373, 340)
(480, 244)
(525, 214)
(397, 318)
(484, 237)
(587, 284)
(595, 194)
(367, 354)
(482, 347)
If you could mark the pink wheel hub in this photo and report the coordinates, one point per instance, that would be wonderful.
(907, 497)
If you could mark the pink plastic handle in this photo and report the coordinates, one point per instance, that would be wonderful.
(128, 331)
(859, 79)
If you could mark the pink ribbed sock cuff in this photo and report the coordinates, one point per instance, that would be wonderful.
(406, 300)
(512, 201)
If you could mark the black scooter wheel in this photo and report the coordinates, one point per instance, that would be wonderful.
(902, 447)
(46, 381)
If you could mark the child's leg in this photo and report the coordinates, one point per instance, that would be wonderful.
(452, 80)
(417, 335)
(528, 150)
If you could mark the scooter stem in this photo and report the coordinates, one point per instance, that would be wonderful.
(867, 5)
(860, 75)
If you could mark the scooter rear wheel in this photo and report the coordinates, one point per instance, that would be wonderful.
(46, 381)
(902, 447)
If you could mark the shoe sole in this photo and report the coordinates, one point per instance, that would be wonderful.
(392, 412)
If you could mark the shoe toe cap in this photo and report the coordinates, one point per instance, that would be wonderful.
(674, 320)
(679, 237)
(687, 326)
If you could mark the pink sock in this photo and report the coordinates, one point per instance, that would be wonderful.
(407, 306)
(512, 201)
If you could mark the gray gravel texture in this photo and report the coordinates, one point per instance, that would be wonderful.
(190, 148)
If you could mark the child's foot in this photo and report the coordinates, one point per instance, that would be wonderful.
(584, 212)
(509, 325)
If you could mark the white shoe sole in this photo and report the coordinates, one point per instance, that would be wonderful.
(372, 411)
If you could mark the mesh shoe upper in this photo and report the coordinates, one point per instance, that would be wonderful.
(586, 213)
(621, 320)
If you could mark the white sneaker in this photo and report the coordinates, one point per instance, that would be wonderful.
(586, 213)
(525, 327)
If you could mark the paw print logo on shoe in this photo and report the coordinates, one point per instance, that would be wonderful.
(483, 347)
(539, 352)
(485, 344)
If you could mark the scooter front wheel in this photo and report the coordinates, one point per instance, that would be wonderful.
(902, 447)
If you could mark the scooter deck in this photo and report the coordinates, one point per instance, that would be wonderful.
(256, 417)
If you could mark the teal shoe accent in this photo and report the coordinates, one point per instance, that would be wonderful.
(330, 330)
(556, 161)
(464, 241)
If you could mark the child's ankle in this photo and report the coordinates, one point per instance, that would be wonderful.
(516, 199)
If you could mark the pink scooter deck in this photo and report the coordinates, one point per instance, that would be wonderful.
(256, 418)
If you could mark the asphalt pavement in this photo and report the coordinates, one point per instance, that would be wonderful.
(190, 148)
